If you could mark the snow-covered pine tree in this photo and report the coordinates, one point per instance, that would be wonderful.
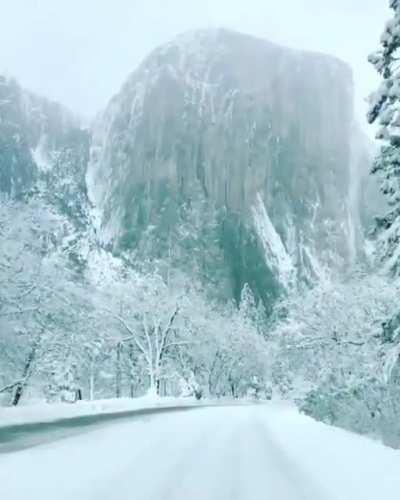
(385, 112)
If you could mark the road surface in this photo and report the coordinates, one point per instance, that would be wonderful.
(261, 452)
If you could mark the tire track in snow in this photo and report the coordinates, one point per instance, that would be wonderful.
(151, 471)
(242, 462)
(306, 487)
(206, 472)
(234, 459)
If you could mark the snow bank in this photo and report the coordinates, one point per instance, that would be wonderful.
(346, 466)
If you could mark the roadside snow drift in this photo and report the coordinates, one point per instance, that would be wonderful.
(46, 412)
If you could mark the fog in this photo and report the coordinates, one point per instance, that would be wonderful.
(80, 52)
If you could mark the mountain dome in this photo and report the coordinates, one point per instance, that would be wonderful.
(237, 139)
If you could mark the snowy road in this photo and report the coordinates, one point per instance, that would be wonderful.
(267, 452)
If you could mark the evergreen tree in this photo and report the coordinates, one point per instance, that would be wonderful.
(385, 112)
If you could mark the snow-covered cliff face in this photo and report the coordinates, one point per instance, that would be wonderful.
(43, 162)
(41, 141)
(233, 156)
(17, 168)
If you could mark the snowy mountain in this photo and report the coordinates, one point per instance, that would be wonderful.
(226, 156)
(17, 168)
(232, 157)
(43, 153)
(34, 134)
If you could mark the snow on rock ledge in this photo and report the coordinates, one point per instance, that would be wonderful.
(276, 256)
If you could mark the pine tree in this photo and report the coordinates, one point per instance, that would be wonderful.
(252, 313)
(385, 112)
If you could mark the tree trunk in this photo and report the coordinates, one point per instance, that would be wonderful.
(20, 387)
(91, 385)
(18, 394)
(154, 382)
(131, 371)
(118, 371)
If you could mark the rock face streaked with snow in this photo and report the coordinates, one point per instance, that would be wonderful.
(36, 137)
(41, 141)
(17, 168)
(256, 132)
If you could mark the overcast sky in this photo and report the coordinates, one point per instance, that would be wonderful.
(79, 52)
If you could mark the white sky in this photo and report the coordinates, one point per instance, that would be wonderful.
(79, 52)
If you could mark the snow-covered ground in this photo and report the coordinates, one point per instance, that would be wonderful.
(212, 453)
(43, 412)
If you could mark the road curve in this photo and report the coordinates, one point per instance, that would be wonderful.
(21, 436)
